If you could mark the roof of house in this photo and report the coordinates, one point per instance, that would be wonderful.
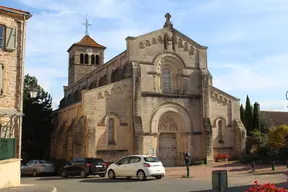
(279, 117)
(18, 11)
(89, 42)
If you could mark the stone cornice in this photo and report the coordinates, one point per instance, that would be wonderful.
(166, 95)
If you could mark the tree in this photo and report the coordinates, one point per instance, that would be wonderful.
(248, 116)
(37, 126)
(266, 122)
(277, 137)
(242, 114)
(256, 116)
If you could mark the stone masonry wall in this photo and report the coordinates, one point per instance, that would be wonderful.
(13, 75)
(100, 104)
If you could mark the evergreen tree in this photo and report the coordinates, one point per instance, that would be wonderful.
(256, 116)
(242, 114)
(248, 116)
(37, 126)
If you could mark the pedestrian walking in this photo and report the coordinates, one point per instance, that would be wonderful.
(187, 161)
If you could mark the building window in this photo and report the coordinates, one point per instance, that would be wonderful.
(1, 78)
(97, 60)
(1, 36)
(92, 59)
(166, 80)
(111, 132)
(86, 59)
(81, 58)
(220, 131)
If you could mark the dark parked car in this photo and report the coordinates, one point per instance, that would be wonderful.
(84, 167)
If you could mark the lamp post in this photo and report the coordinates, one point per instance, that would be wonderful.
(33, 92)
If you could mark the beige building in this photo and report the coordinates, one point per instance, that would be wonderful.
(156, 97)
(12, 51)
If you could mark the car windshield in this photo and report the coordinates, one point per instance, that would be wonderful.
(42, 161)
(94, 161)
(151, 159)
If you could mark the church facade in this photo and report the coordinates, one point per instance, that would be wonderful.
(157, 97)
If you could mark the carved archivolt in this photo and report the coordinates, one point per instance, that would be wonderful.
(167, 123)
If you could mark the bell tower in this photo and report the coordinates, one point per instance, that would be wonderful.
(84, 57)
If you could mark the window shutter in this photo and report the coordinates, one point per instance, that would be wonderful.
(10, 38)
(1, 78)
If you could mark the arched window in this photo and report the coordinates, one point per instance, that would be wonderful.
(220, 131)
(92, 59)
(97, 60)
(81, 58)
(86, 59)
(166, 80)
(111, 132)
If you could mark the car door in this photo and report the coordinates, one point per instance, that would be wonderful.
(25, 168)
(73, 167)
(30, 167)
(133, 166)
(121, 168)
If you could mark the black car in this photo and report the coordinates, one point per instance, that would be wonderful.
(84, 167)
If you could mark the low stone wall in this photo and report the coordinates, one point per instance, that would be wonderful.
(10, 173)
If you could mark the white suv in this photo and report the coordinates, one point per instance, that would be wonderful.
(140, 166)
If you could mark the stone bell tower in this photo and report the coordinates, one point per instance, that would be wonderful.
(84, 57)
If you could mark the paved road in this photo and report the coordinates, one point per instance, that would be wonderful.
(122, 185)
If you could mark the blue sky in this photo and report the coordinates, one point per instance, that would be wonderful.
(247, 40)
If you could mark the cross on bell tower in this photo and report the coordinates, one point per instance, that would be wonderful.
(86, 25)
(168, 23)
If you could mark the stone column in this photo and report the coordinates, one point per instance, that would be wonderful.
(206, 116)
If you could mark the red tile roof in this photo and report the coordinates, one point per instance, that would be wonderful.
(89, 42)
(12, 9)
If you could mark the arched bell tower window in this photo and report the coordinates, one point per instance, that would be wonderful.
(97, 60)
(86, 59)
(166, 80)
(111, 132)
(81, 58)
(92, 59)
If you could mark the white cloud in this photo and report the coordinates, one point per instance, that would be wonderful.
(264, 74)
(247, 28)
(274, 105)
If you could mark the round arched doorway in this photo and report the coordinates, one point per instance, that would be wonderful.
(168, 127)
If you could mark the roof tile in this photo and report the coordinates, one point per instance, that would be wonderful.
(88, 41)
(13, 9)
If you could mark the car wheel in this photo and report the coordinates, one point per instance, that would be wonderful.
(83, 173)
(102, 175)
(159, 177)
(111, 174)
(64, 174)
(34, 173)
(141, 175)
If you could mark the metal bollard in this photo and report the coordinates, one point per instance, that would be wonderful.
(273, 165)
(219, 181)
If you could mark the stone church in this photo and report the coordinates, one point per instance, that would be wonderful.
(157, 97)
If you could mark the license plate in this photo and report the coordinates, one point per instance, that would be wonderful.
(98, 166)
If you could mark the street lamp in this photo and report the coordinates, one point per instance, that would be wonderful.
(34, 92)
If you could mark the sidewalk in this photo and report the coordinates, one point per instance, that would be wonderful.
(30, 188)
(233, 169)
